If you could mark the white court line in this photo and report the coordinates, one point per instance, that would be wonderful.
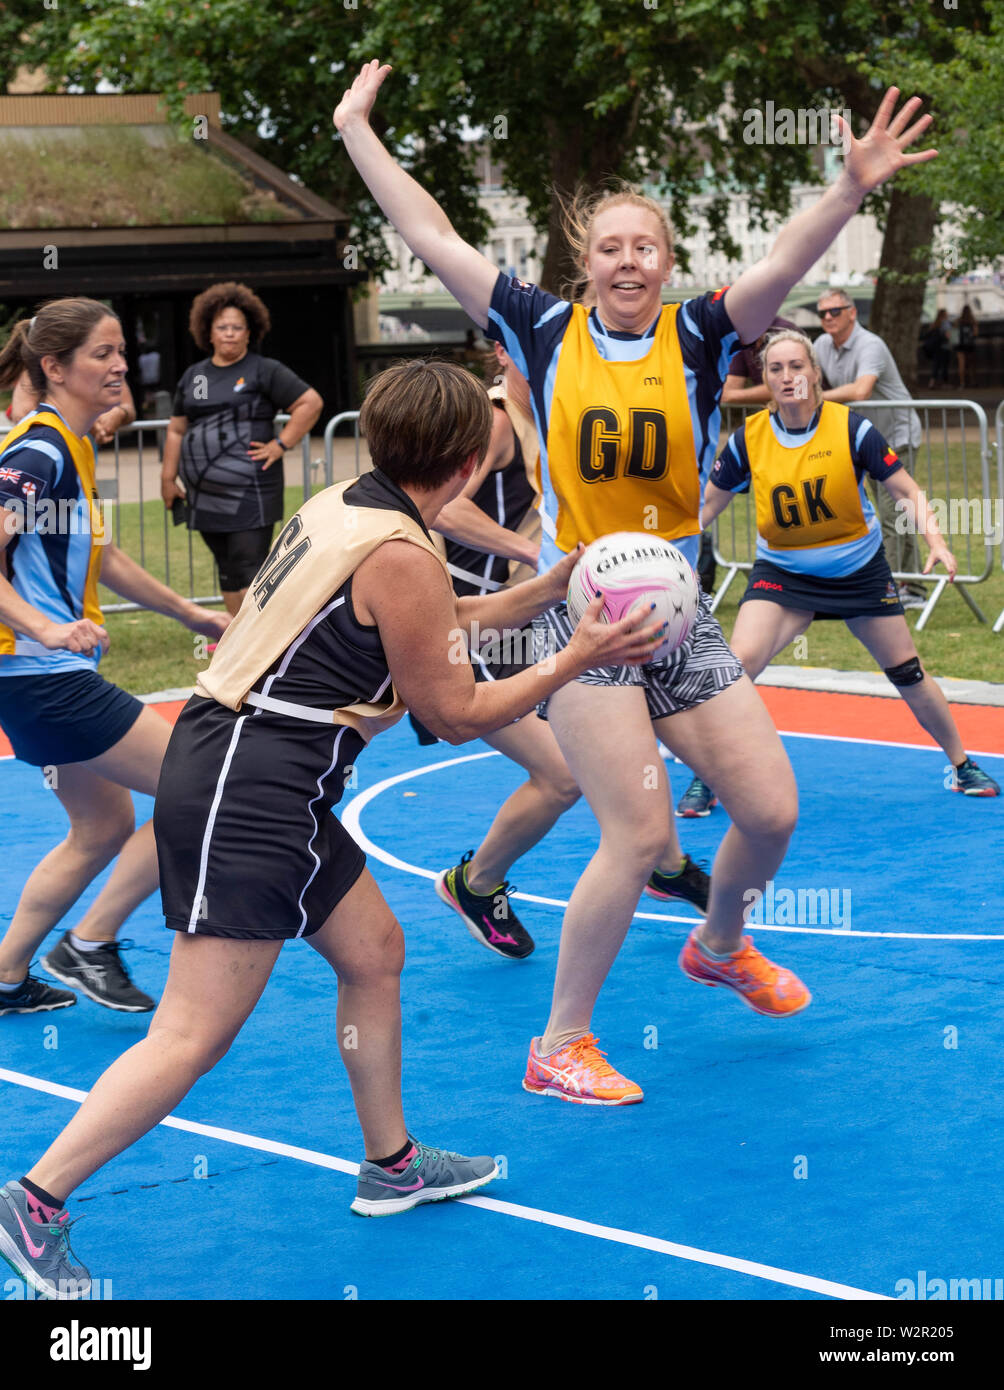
(352, 812)
(546, 1218)
(883, 743)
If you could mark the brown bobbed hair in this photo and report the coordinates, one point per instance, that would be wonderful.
(229, 294)
(423, 420)
(58, 329)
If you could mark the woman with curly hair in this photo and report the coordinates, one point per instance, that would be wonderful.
(221, 445)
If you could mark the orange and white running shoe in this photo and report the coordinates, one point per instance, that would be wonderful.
(764, 986)
(579, 1072)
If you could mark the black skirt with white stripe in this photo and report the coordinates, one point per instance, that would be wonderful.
(246, 842)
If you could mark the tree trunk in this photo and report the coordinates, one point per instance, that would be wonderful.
(581, 156)
(899, 295)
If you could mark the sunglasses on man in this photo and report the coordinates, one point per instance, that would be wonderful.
(833, 313)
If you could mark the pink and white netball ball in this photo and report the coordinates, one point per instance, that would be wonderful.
(634, 568)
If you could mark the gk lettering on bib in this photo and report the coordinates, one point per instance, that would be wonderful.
(807, 496)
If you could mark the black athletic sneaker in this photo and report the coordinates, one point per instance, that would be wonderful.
(98, 974)
(697, 800)
(973, 781)
(35, 997)
(691, 884)
(489, 919)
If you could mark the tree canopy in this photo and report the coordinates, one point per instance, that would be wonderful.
(565, 92)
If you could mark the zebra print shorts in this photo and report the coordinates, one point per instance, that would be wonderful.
(700, 669)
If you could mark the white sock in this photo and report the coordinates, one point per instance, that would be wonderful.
(79, 944)
(10, 989)
(713, 955)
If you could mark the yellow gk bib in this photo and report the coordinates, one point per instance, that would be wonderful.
(808, 496)
(620, 443)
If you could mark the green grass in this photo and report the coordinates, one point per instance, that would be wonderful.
(113, 177)
(953, 643)
(149, 652)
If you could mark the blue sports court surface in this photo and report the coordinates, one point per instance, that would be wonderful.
(832, 1155)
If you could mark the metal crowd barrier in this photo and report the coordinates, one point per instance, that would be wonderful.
(329, 443)
(734, 542)
(111, 491)
(736, 549)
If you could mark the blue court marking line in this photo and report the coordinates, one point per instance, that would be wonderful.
(547, 1218)
(351, 813)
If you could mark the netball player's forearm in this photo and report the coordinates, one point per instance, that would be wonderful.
(755, 298)
(716, 499)
(122, 574)
(404, 202)
(510, 608)
(19, 615)
(464, 522)
(496, 704)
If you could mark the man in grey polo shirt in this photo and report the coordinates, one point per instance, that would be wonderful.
(859, 367)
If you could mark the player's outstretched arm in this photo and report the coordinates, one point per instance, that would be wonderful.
(467, 274)
(121, 573)
(404, 591)
(716, 499)
(754, 300)
(913, 502)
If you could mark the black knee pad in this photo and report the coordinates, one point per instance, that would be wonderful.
(909, 673)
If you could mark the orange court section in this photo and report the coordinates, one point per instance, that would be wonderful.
(821, 712)
(981, 727)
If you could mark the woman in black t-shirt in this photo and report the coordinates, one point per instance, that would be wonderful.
(221, 444)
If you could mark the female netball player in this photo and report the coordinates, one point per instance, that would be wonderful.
(354, 596)
(497, 513)
(96, 742)
(626, 401)
(819, 542)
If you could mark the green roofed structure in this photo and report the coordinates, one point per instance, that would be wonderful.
(99, 196)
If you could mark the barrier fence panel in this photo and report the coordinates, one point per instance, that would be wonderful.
(136, 453)
(329, 443)
(951, 465)
(999, 434)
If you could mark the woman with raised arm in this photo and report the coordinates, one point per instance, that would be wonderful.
(819, 542)
(96, 742)
(353, 618)
(626, 400)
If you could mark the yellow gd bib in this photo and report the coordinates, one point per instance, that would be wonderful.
(808, 496)
(82, 454)
(620, 441)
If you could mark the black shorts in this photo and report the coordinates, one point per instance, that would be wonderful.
(495, 661)
(239, 555)
(64, 717)
(869, 592)
(246, 842)
(697, 671)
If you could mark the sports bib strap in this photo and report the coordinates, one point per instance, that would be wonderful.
(24, 646)
(470, 577)
(274, 706)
